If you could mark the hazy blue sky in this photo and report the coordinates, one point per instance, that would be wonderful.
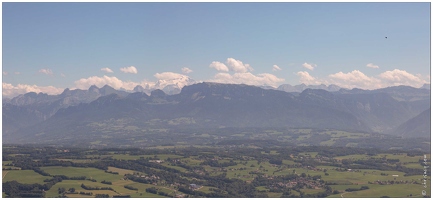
(67, 44)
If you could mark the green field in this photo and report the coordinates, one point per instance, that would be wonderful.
(6, 162)
(401, 190)
(403, 157)
(146, 195)
(120, 171)
(93, 173)
(413, 165)
(274, 194)
(312, 191)
(360, 178)
(118, 187)
(23, 176)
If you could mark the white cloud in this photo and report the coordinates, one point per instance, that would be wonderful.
(219, 66)
(130, 69)
(238, 66)
(108, 70)
(17, 73)
(169, 76)
(355, 79)
(112, 81)
(164, 79)
(5, 73)
(46, 71)
(248, 78)
(309, 66)
(276, 68)
(401, 77)
(186, 70)
(307, 79)
(11, 91)
(223, 78)
(371, 65)
(426, 77)
(62, 75)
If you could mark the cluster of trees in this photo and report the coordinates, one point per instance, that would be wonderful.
(95, 188)
(357, 189)
(152, 190)
(116, 173)
(40, 171)
(122, 196)
(163, 193)
(276, 161)
(20, 190)
(106, 182)
(130, 187)
(10, 168)
(102, 196)
(86, 193)
(16, 189)
(71, 178)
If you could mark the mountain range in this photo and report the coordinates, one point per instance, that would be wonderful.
(418, 126)
(302, 87)
(38, 118)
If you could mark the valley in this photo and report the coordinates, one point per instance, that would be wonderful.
(219, 171)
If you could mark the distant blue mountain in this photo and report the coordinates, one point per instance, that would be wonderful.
(81, 113)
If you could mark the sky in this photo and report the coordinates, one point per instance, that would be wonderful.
(48, 47)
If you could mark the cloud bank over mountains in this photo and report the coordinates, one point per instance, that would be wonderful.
(10, 90)
(241, 73)
(231, 71)
(357, 79)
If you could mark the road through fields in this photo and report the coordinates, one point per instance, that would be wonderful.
(5, 174)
